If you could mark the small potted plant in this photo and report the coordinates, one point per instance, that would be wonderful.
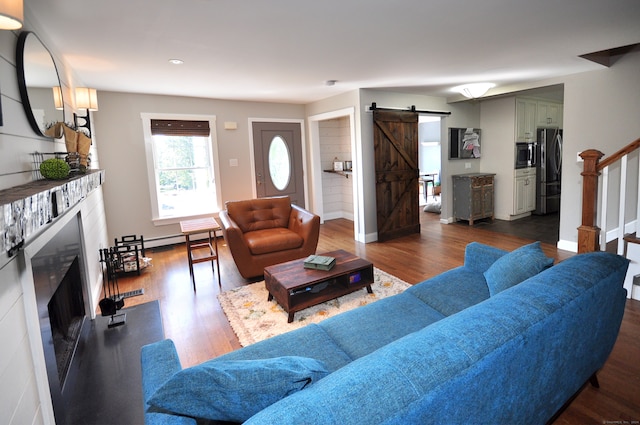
(54, 169)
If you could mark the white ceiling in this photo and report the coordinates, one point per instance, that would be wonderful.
(285, 50)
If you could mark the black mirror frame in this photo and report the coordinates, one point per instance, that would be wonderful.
(22, 84)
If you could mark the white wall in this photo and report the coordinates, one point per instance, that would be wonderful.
(601, 110)
(462, 115)
(122, 153)
(497, 122)
(24, 396)
(337, 191)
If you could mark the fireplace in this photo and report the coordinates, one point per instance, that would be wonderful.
(66, 316)
(61, 301)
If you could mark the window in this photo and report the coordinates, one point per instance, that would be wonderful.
(181, 153)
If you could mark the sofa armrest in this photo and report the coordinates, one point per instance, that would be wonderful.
(479, 257)
(159, 362)
(307, 225)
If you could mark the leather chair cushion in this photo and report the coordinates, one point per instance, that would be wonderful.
(262, 213)
(272, 240)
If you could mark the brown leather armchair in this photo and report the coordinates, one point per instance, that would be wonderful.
(266, 231)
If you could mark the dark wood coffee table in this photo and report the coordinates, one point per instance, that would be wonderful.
(296, 288)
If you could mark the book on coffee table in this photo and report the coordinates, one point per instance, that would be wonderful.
(319, 262)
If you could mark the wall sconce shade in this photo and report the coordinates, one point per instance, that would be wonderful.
(57, 98)
(11, 14)
(86, 98)
(474, 90)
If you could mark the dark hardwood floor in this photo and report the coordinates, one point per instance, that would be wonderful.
(544, 228)
(195, 321)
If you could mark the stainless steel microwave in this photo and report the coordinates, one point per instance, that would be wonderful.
(525, 155)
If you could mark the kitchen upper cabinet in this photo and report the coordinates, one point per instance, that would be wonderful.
(524, 193)
(526, 112)
(549, 114)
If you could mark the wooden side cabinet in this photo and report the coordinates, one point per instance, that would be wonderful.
(472, 196)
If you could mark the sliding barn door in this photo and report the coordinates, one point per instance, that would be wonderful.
(395, 138)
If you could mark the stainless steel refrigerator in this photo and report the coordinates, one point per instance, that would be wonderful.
(548, 170)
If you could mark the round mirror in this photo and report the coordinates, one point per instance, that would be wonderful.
(38, 82)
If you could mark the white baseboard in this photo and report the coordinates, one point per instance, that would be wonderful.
(567, 246)
(338, 214)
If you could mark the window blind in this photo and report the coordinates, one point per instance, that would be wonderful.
(179, 128)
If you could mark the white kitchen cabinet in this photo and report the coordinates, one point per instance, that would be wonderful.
(524, 193)
(549, 114)
(526, 111)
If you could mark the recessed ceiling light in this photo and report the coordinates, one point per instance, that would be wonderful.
(331, 82)
(176, 61)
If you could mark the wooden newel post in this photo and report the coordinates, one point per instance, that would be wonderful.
(588, 232)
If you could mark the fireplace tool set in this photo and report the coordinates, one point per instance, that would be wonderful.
(113, 300)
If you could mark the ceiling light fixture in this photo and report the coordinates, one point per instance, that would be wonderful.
(330, 82)
(474, 90)
(11, 14)
(176, 61)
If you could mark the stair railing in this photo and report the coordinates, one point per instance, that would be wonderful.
(589, 239)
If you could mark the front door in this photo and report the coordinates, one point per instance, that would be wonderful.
(395, 141)
(277, 149)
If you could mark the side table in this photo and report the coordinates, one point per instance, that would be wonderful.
(201, 251)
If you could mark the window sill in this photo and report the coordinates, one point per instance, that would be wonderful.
(176, 220)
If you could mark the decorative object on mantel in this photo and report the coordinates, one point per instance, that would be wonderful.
(84, 145)
(54, 169)
(27, 208)
(77, 142)
(55, 130)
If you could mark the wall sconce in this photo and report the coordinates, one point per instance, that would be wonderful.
(474, 90)
(11, 14)
(57, 98)
(86, 98)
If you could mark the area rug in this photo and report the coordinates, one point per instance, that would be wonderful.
(253, 318)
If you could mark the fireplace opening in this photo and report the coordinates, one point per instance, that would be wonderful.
(66, 316)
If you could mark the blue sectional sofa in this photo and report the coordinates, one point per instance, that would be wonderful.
(506, 338)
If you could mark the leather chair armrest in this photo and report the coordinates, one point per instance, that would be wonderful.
(307, 225)
(234, 237)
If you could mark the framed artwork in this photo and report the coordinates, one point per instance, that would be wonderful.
(464, 143)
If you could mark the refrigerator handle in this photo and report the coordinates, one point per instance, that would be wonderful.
(558, 153)
(532, 154)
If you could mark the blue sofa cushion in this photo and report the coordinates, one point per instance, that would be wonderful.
(235, 390)
(515, 267)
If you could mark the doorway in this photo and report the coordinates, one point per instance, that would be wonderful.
(429, 162)
(317, 166)
(278, 165)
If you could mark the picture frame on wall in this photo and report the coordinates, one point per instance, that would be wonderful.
(464, 143)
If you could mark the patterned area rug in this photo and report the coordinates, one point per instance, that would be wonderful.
(253, 318)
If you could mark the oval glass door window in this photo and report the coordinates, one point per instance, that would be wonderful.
(279, 163)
